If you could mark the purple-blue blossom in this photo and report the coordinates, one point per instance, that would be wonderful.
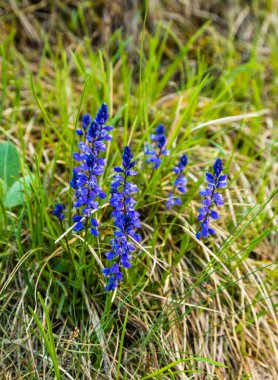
(211, 198)
(58, 211)
(86, 120)
(156, 150)
(126, 219)
(179, 184)
(94, 134)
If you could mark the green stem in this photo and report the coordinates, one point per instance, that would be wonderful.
(67, 243)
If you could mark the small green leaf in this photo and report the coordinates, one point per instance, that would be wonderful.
(15, 195)
(9, 164)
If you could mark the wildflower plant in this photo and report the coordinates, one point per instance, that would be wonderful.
(93, 134)
(179, 184)
(126, 219)
(158, 149)
(211, 198)
(84, 181)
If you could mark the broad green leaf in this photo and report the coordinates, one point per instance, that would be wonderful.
(15, 195)
(9, 164)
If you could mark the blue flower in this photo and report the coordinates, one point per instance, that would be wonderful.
(85, 176)
(126, 219)
(179, 184)
(86, 120)
(58, 211)
(156, 150)
(211, 198)
(102, 115)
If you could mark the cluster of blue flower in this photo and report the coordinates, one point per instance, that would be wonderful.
(206, 213)
(155, 152)
(126, 218)
(84, 180)
(211, 197)
(179, 184)
(87, 190)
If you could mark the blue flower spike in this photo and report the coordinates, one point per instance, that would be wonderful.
(126, 219)
(156, 150)
(85, 176)
(211, 198)
(179, 184)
